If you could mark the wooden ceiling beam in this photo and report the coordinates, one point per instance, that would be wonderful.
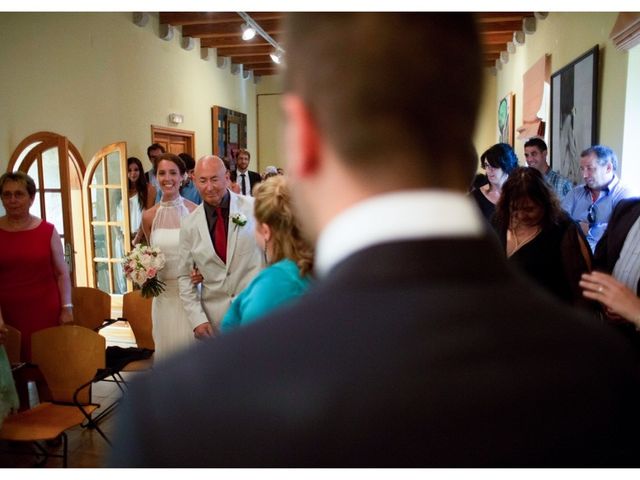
(243, 52)
(250, 58)
(501, 27)
(496, 38)
(234, 41)
(199, 18)
(272, 27)
(488, 17)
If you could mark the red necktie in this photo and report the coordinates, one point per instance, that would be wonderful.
(220, 236)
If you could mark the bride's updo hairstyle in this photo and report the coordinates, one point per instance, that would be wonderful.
(273, 207)
(172, 158)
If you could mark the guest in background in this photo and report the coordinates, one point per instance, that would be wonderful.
(188, 189)
(232, 184)
(535, 154)
(153, 152)
(619, 301)
(592, 202)
(289, 256)
(142, 195)
(270, 171)
(8, 396)
(540, 238)
(498, 161)
(246, 179)
(36, 288)
(617, 255)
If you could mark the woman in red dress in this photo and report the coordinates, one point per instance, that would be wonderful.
(35, 288)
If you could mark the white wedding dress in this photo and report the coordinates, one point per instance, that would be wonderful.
(171, 328)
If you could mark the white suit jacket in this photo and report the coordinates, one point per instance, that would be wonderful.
(221, 282)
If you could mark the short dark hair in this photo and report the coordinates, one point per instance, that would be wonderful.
(172, 157)
(188, 160)
(536, 142)
(603, 155)
(418, 113)
(155, 146)
(19, 177)
(501, 155)
(245, 151)
(523, 183)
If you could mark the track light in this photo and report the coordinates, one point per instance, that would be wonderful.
(276, 56)
(248, 32)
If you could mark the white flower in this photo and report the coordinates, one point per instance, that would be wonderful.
(239, 219)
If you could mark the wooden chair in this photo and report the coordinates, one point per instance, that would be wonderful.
(91, 307)
(12, 345)
(69, 357)
(136, 310)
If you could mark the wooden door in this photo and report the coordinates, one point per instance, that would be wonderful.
(174, 140)
(107, 218)
(57, 168)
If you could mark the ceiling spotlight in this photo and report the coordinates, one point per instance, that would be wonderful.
(276, 56)
(247, 32)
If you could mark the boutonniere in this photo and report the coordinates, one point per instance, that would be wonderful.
(239, 219)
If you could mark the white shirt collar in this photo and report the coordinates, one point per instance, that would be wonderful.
(408, 215)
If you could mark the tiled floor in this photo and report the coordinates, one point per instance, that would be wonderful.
(86, 447)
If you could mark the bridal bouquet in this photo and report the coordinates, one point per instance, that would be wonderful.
(141, 266)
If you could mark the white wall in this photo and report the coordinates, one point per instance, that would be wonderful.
(97, 78)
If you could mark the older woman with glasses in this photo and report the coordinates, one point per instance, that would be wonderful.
(36, 288)
(498, 161)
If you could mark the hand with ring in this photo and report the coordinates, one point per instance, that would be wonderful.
(616, 297)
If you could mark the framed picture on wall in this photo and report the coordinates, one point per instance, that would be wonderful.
(506, 119)
(574, 91)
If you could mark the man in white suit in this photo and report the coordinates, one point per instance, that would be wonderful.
(218, 239)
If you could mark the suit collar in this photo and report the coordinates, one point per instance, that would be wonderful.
(405, 215)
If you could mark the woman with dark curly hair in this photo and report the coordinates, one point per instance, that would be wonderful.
(539, 237)
(289, 257)
(498, 161)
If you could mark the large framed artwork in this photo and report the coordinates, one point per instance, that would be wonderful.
(574, 90)
(506, 119)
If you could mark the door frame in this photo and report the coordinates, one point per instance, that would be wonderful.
(66, 151)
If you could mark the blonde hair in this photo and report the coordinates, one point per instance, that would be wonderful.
(273, 207)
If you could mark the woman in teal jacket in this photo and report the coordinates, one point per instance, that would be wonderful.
(289, 256)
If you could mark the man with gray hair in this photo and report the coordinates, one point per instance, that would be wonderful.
(591, 203)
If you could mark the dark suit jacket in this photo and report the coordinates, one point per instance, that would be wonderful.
(414, 353)
(254, 178)
(610, 245)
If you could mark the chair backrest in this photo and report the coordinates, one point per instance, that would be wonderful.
(136, 310)
(91, 307)
(68, 356)
(12, 345)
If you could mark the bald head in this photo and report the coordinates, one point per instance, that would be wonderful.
(211, 178)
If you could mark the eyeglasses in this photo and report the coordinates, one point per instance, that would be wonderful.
(591, 214)
(18, 195)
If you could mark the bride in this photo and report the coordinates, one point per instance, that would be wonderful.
(161, 226)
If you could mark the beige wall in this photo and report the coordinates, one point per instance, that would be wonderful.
(566, 36)
(97, 78)
(486, 127)
(270, 122)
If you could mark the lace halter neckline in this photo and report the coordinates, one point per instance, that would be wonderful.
(172, 203)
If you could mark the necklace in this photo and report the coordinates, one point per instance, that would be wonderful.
(523, 240)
